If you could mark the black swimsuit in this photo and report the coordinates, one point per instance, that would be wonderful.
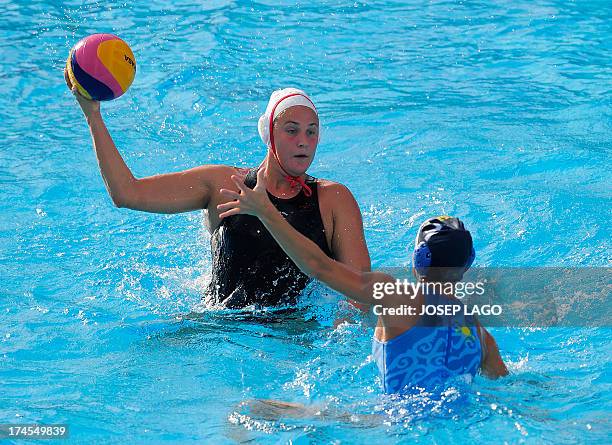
(249, 267)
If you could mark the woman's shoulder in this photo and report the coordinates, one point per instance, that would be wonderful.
(219, 169)
(223, 171)
(330, 187)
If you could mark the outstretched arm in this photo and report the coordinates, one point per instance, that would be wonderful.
(304, 252)
(169, 193)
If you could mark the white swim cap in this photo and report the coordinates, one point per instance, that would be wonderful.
(280, 100)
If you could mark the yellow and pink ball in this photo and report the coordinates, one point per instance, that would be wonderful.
(101, 66)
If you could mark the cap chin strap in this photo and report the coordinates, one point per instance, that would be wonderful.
(293, 180)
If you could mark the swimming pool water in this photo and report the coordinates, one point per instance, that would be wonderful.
(496, 112)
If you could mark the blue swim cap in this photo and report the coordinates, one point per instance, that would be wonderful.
(442, 241)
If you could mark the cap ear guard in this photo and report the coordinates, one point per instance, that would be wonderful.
(471, 259)
(421, 258)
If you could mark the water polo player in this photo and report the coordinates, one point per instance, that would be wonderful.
(248, 266)
(412, 348)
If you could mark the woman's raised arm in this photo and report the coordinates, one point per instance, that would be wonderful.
(168, 193)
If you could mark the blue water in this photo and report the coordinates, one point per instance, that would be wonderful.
(496, 112)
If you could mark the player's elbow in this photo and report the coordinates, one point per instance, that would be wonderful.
(316, 268)
(125, 197)
(122, 200)
(501, 370)
(494, 366)
(495, 372)
(118, 200)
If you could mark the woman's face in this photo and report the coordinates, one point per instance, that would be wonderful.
(296, 135)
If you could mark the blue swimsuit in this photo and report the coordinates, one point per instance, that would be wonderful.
(434, 350)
